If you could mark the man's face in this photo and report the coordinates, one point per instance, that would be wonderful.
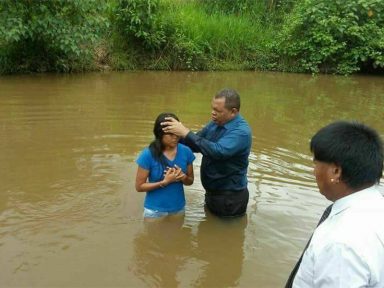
(324, 174)
(220, 114)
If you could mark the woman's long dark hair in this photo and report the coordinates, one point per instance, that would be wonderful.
(156, 147)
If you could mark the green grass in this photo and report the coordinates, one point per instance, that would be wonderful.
(222, 41)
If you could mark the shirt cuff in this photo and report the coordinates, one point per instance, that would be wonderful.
(191, 137)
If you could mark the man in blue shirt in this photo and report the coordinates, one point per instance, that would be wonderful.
(225, 143)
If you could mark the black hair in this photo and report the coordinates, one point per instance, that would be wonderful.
(355, 147)
(232, 98)
(156, 147)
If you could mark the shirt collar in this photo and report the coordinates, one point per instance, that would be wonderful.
(355, 198)
(232, 122)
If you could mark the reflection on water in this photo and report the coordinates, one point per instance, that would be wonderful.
(161, 251)
(168, 254)
(220, 244)
(69, 215)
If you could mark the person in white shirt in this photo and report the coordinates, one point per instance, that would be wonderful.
(347, 248)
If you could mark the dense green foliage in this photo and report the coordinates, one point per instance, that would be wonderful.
(178, 35)
(242, 7)
(140, 20)
(333, 36)
(50, 35)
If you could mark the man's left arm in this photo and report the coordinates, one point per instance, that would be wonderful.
(232, 143)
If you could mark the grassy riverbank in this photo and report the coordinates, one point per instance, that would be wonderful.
(293, 35)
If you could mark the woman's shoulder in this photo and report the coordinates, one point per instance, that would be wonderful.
(146, 152)
(185, 152)
(183, 148)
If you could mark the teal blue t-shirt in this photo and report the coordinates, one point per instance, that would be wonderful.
(170, 198)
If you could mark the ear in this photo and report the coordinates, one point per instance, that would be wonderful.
(234, 111)
(336, 172)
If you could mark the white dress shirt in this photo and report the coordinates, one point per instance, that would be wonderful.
(347, 249)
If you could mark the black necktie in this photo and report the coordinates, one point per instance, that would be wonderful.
(294, 271)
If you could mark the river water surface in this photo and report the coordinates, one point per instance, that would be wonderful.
(69, 213)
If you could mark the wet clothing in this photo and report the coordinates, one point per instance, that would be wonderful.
(227, 203)
(148, 213)
(171, 197)
(224, 164)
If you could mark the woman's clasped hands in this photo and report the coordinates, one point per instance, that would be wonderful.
(173, 174)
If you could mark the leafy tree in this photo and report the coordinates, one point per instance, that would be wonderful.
(335, 35)
(139, 20)
(55, 35)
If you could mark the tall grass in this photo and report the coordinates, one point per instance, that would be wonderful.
(211, 41)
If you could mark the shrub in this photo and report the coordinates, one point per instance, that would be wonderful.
(334, 35)
(48, 35)
(139, 20)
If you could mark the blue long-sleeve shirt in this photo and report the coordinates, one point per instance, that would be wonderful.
(225, 152)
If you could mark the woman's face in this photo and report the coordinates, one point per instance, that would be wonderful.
(170, 140)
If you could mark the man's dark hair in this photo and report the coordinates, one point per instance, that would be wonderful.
(156, 147)
(353, 146)
(232, 98)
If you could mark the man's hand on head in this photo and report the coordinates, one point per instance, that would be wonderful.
(173, 126)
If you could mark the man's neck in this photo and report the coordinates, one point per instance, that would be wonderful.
(346, 190)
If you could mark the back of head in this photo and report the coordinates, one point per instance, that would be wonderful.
(232, 98)
(353, 146)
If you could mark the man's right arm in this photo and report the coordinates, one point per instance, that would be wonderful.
(226, 147)
(192, 144)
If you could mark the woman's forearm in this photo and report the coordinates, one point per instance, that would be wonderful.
(146, 187)
(188, 180)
